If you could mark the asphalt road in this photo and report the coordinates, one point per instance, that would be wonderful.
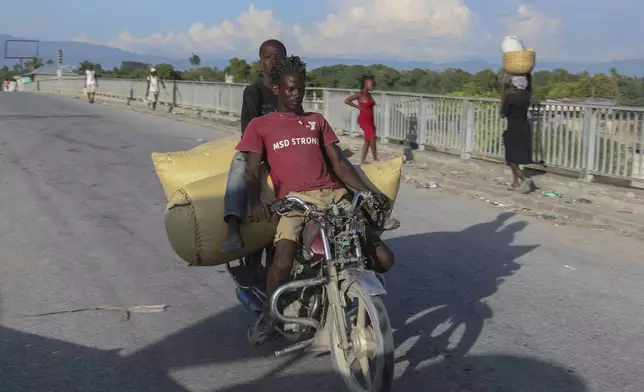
(480, 300)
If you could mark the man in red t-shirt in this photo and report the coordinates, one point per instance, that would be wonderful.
(296, 146)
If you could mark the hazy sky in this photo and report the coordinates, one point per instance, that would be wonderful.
(406, 29)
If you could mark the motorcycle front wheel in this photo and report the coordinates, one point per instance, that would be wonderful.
(367, 365)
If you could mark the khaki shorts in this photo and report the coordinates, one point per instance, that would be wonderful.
(91, 88)
(290, 226)
(154, 96)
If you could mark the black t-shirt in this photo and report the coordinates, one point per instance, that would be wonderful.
(258, 101)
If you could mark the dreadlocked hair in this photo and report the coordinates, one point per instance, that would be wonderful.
(291, 65)
(366, 77)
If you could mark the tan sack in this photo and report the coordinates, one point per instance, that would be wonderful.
(218, 143)
(179, 168)
(176, 169)
(194, 214)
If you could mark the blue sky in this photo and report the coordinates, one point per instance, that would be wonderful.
(409, 29)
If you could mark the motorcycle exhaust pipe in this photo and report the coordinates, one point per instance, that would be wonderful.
(249, 300)
(291, 286)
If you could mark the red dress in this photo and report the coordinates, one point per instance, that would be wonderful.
(366, 119)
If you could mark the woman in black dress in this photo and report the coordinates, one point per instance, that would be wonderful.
(518, 138)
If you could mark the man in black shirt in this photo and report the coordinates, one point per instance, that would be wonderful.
(259, 99)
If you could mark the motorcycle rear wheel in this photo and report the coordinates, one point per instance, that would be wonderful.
(371, 339)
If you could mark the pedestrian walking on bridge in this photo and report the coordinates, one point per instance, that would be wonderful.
(517, 137)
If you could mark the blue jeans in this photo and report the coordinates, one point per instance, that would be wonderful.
(235, 199)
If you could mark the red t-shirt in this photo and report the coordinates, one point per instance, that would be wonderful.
(293, 145)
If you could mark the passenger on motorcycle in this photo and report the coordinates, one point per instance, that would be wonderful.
(259, 99)
(297, 146)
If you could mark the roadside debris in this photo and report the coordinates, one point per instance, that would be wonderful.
(552, 195)
(125, 310)
(427, 185)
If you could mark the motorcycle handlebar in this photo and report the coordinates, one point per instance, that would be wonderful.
(293, 203)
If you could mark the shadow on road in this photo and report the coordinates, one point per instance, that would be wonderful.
(436, 294)
(436, 304)
(488, 373)
(34, 363)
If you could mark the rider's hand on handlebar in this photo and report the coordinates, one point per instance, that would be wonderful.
(381, 200)
(259, 212)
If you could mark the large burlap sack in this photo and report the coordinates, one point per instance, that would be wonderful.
(214, 145)
(194, 214)
(176, 169)
(179, 168)
(519, 62)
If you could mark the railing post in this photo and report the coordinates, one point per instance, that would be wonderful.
(590, 143)
(326, 101)
(386, 120)
(422, 123)
(130, 98)
(174, 95)
(467, 128)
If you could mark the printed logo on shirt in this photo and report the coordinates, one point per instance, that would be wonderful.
(296, 141)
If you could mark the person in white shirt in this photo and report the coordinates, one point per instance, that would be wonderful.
(91, 82)
(153, 87)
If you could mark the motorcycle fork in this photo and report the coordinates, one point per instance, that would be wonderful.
(337, 304)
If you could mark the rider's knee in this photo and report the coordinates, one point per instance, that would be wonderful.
(385, 258)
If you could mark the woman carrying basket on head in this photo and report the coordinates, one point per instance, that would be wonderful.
(518, 137)
(366, 118)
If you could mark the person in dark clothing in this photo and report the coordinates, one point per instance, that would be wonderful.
(259, 99)
(517, 137)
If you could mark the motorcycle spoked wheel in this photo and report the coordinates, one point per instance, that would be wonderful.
(370, 336)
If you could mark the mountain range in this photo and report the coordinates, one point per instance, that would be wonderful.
(109, 57)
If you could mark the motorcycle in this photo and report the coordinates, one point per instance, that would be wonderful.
(333, 300)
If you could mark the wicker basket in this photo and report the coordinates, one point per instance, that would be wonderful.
(519, 62)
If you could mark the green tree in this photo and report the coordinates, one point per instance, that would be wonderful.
(84, 65)
(239, 69)
(34, 63)
(256, 71)
(134, 69)
(167, 72)
(204, 74)
(195, 60)
(50, 62)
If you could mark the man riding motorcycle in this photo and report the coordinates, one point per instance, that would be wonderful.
(298, 148)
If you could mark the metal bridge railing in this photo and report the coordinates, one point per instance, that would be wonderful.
(592, 140)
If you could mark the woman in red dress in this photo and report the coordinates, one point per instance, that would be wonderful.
(366, 119)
